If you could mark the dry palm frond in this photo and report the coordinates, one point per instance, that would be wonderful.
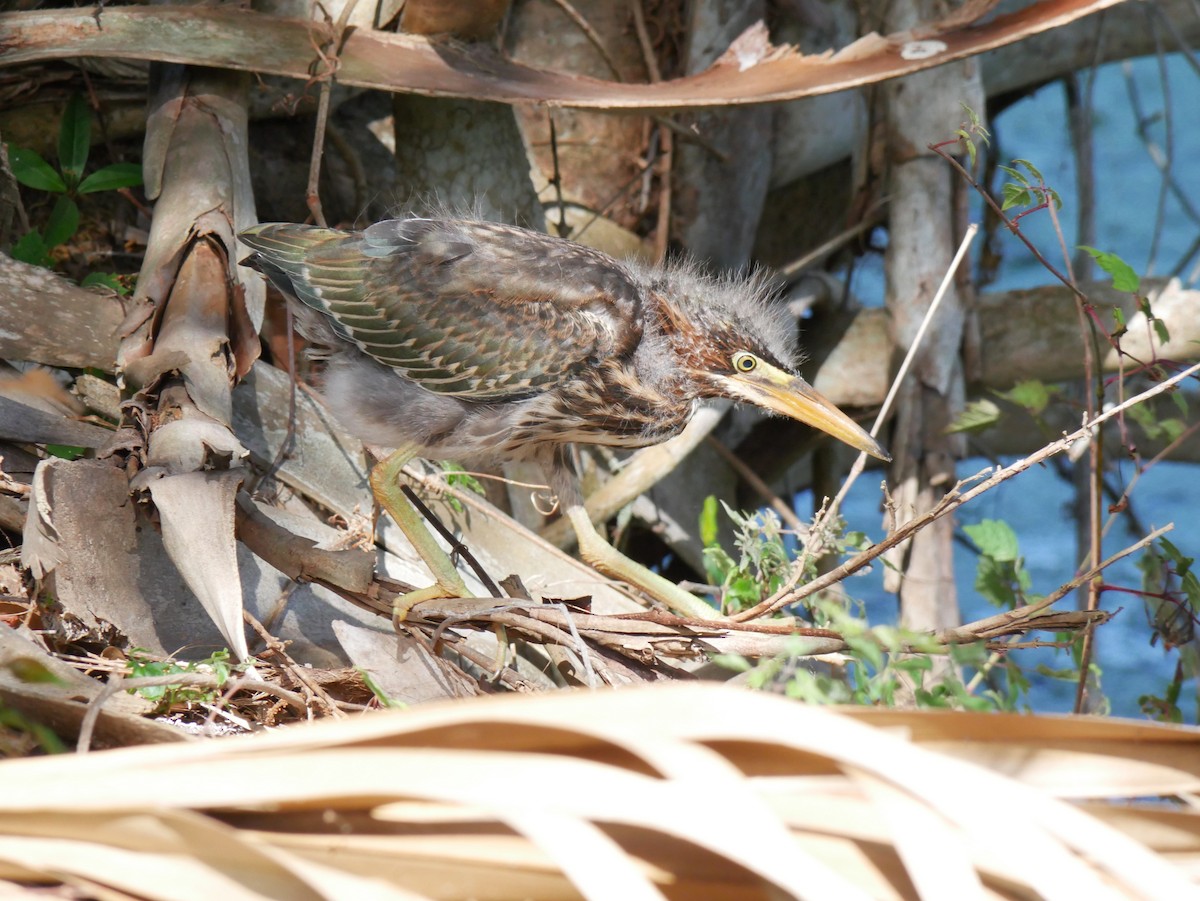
(678, 792)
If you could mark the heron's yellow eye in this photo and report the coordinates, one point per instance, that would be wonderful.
(744, 362)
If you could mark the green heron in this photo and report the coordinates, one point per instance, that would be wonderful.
(479, 342)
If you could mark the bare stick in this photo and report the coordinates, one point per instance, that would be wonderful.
(298, 672)
(201, 680)
(974, 631)
(456, 546)
(330, 60)
(830, 511)
(662, 228)
(952, 501)
(591, 34)
(786, 513)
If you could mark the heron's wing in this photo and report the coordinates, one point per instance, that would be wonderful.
(474, 309)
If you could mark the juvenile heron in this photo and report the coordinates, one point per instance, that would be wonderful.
(479, 342)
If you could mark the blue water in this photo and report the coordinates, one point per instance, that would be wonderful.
(1127, 182)
(1037, 503)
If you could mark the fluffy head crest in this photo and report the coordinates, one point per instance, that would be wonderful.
(735, 308)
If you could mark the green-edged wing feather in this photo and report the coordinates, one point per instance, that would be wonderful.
(473, 309)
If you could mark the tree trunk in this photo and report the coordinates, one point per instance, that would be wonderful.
(925, 223)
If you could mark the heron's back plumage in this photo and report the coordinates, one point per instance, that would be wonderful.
(475, 339)
(452, 308)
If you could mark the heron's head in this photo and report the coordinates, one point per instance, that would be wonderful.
(732, 341)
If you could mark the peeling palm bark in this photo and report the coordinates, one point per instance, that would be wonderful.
(189, 333)
(196, 330)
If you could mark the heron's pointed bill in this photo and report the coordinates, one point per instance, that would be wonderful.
(791, 396)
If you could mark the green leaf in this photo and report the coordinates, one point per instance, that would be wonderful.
(458, 477)
(743, 591)
(1123, 276)
(1062, 675)
(74, 139)
(1119, 320)
(856, 541)
(1160, 329)
(915, 666)
(109, 280)
(1180, 400)
(118, 175)
(1145, 418)
(994, 582)
(994, 538)
(1175, 555)
(32, 249)
(33, 671)
(708, 521)
(46, 738)
(65, 451)
(1033, 170)
(718, 564)
(965, 140)
(978, 415)
(1172, 428)
(867, 650)
(34, 172)
(735, 662)
(1031, 394)
(1014, 173)
(1015, 195)
(977, 127)
(63, 222)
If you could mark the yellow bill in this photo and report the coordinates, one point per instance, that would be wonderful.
(788, 395)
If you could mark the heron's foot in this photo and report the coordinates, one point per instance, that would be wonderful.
(448, 583)
(597, 552)
(403, 605)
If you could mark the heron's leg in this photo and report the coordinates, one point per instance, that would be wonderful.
(597, 552)
(385, 484)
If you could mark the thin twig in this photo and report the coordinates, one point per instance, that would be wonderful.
(298, 672)
(692, 136)
(562, 230)
(786, 513)
(868, 220)
(1094, 396)
(329, 57)
(1010, 224)
(504, 480)
(591, 34)
(830, 511)
(972, 631)
(665, 137)
(117, 683)
(1153, 461)
(952, 501)
(456, 546)
(512, 680)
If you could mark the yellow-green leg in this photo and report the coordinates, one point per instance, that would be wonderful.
(597, 552)
(385, 483)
